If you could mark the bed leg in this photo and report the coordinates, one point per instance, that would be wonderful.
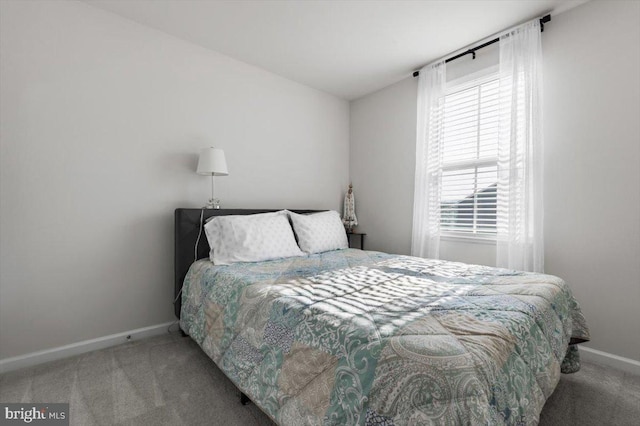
(244, 399)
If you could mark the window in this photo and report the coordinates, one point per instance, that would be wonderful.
(479, 147)
(470, 158)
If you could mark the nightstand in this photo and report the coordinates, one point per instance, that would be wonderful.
(353, 237)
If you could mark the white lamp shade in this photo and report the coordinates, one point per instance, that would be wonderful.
(212, 162)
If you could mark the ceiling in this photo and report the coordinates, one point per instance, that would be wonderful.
(346, 48)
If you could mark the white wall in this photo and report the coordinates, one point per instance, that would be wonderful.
(383, 129)
(592, 167)
(101, 121)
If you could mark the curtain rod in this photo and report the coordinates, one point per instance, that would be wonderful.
(472, 51)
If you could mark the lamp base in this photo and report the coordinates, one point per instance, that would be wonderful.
(213, 203)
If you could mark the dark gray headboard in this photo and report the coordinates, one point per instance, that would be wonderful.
(187, 226)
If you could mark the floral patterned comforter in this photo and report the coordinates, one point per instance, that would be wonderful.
(354, 337)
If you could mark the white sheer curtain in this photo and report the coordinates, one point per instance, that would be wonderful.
(519, 208)
(425, 238)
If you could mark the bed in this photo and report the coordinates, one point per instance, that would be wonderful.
(351, 337)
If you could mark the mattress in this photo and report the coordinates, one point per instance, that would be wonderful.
(353, 337)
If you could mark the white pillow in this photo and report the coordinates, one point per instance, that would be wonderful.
(250, 238)
(319, 232)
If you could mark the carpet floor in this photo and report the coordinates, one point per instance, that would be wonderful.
(168, 380)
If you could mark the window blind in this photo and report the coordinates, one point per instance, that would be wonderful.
(470, 157)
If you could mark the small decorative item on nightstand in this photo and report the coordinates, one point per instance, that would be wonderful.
(349, 218)
(351, 237)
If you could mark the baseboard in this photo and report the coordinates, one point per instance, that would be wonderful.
(35, 358)
(626, 364)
